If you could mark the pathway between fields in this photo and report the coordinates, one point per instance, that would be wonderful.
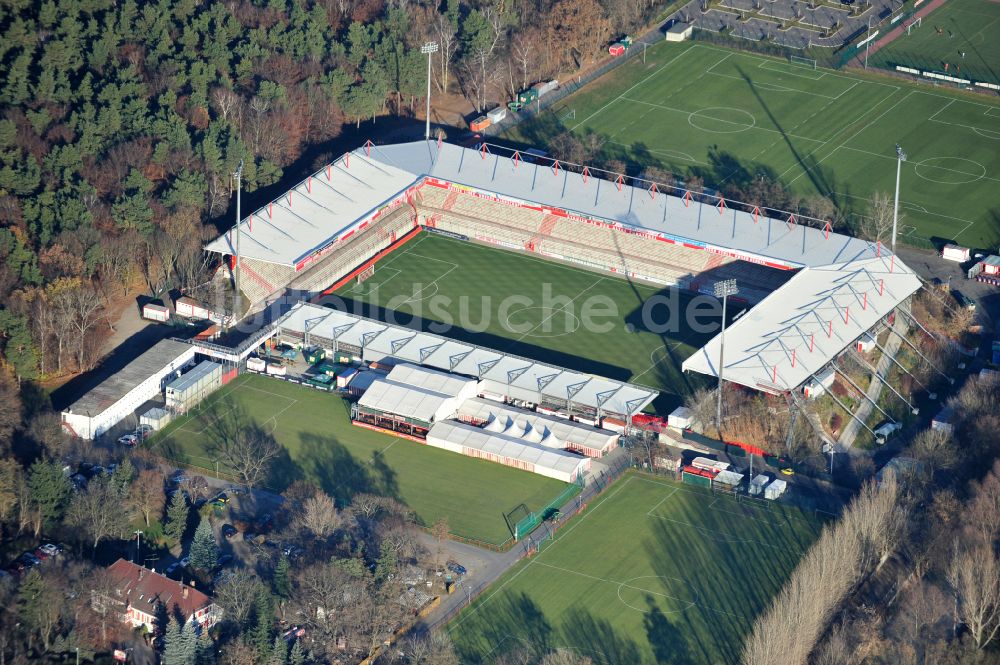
(898, 30)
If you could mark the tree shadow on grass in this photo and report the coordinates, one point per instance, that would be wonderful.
(596, 638)
(668, 642)
(340, 474)
(511, 623)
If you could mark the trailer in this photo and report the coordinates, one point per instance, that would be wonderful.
(616, 49)
(545, 87)
(757, 484)
(527, 96)
(496, 115)
(680, 418)
(955, 253)
(256, 364)
(155, 312)
(479, 124)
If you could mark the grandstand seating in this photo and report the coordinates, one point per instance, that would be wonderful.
(260, 279)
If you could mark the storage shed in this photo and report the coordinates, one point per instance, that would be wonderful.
(775, 489)
(680, 418)
(757, 484)
(679, 32)
(865, 343)
(155, 312)
(944, 420)
(189, 389)
(820, 384)
(156, 418)
(955, 253)
(727, 480)
(497, 114)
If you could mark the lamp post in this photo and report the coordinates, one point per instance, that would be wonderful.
(868, 42)
(900, 158)
(723, 289)
(428, 48)
(238, 176)
(137, 556)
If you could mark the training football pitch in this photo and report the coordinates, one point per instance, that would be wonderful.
(730, 117)
(320, 444)
(958, 26)
(653, 571)
(538, 309)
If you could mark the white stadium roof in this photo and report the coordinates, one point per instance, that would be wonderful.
(405, 401)
(794, 332)
(565, 431)
(527, 379)
(838, 270)
(502, 445)
(429, 379)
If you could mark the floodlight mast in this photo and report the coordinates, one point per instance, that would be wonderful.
(238, 176)
(723, 290)
(900, 158)
(428, 48)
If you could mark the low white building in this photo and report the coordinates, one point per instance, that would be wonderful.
(119, 395)
(680, 418)
(820, 384)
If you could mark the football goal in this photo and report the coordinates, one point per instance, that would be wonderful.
(366, 274)
(915, 23)
(802, 62)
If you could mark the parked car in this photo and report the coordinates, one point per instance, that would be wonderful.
(29, 559)
(129, 440)
(79, 481)
(51, 549)
(224, 559)
(228, 531)
(143, 431)
(185, 562)
(173, 569)
(456, 568)
(883, 431)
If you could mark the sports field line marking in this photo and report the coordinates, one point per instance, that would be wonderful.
(940, 168)
(625, 585)
(364, 288)
(485, 601)
(844, 129)
(722, 120)
(556, 311)
(775, 87)
(660, 502)
(955, 236)
(414, 298)
(979, 130)
(651, 75)
(790, 73)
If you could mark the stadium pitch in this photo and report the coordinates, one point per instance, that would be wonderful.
(653, 571)
(729, 116)
(536, 308)
(320, 444)
(971, 27)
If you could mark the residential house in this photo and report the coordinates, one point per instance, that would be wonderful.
(141, 592)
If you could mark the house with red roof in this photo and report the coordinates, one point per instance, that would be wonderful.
(141, 593)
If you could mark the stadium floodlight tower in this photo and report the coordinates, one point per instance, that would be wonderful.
(237, 176)
(900, 158)
(428, 48)
(723, 290)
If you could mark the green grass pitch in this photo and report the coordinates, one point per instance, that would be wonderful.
(320, 444)
(532, 307)
(969, 26)
(728, 116)
(653, 571)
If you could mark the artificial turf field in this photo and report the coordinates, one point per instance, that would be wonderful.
(729, 116)
(957, 26)
(320, 444)
(653, 571)
(442, 280)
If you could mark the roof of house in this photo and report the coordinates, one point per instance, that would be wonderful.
(144, 589)
(122, 382)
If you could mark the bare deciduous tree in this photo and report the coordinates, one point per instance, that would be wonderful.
(146, 495)
(238, 594)
(319, 516)
(876, 225)
(974, 576)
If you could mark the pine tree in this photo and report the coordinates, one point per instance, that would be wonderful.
(279, 652)
(282, 586)
(205, 651)
(177, 516)
(297, 655)
(260, 635)
(204, 549)
(121, 478)
(189, 643)
(173, 649)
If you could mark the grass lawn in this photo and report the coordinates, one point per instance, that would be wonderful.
(969, 26)
(729, 116)
(535, 308)
(653, 571)
(320, 444)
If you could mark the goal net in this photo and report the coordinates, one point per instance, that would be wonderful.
(366, 273)
(914, 23)
(802, 62)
